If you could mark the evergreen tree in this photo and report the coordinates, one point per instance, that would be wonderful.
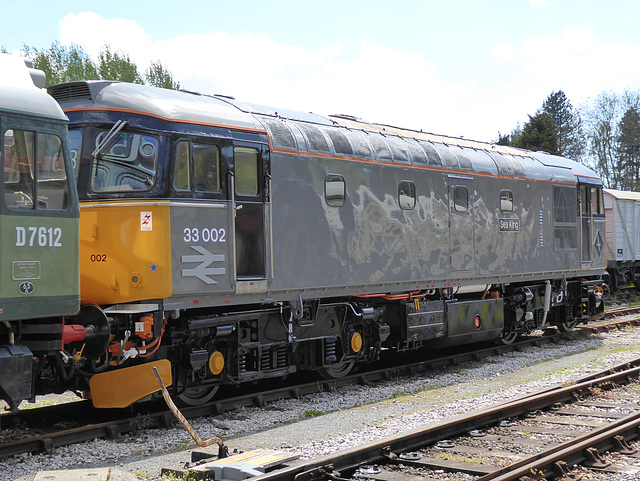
(511, 139)
(568, 125)
(628, 149)
(503, 139)
(538, 134)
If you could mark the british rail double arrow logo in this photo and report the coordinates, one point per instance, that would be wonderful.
(203, 271)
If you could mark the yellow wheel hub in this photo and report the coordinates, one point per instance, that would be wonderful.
(216, 363)
(356, 342)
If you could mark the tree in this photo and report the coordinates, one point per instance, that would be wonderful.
(159, 76)
(117, 66)
(63, 64)
(509, 139)
(601, 116)
(73, 64)
(571, 141)
(538, 134)
(628, 149)
(503, 139)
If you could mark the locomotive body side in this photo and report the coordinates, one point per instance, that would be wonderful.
(239, 243)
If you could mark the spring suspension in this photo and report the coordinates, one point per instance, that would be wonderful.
(242, 364)
(330, 351)
(265, 360)
(281, 357)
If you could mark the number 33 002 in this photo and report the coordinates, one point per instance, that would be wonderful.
(194, 234)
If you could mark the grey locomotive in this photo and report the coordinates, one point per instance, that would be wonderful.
(241, 242)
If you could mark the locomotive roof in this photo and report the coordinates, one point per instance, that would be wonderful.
(400, 145)
(163, 103)
(19, 94)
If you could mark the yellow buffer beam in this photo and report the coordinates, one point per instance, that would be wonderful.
(122, 387)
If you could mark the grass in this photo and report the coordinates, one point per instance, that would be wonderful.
(309, 413)
(457, 458)
(184, 443)
(599, 393)
(140, 422)
(186, 476)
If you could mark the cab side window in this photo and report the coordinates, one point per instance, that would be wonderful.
(181, 172)
(35, 175)
(206, 168)
(19, 151)
(597, 201)
(196, 167)
(246, 169)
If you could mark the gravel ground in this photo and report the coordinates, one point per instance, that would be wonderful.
(327, 422)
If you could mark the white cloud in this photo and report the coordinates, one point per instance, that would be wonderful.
(538, 3)
(92, 32)
(576, 61)
(390, 86)
(378, 83)
(238, 65)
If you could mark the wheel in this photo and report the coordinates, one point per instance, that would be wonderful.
(567, 325)
(336, 371)
(197, 395)
(507, 338)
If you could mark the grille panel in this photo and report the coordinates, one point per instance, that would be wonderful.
(71, 91)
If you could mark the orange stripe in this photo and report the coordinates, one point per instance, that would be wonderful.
(585, 175)
(168, 119)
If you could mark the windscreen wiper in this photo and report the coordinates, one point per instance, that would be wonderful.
(109, 139)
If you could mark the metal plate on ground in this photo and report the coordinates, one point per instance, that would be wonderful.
(239, 466)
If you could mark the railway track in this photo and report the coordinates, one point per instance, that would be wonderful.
(115, 424)
(556, 434)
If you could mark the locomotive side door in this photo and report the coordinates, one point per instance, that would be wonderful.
(249, 193)
(461, 224)
(592, 221)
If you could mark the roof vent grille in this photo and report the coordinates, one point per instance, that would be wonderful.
(70, 91)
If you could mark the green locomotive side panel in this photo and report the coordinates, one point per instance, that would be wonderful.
(39, 273)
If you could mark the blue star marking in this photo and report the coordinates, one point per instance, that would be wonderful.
(154, 267)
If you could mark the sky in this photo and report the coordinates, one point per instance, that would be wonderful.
(464, 68)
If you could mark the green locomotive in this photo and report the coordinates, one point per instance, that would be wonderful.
(39, 273)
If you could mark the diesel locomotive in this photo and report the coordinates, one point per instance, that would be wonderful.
(224, 242)
(39, 219)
